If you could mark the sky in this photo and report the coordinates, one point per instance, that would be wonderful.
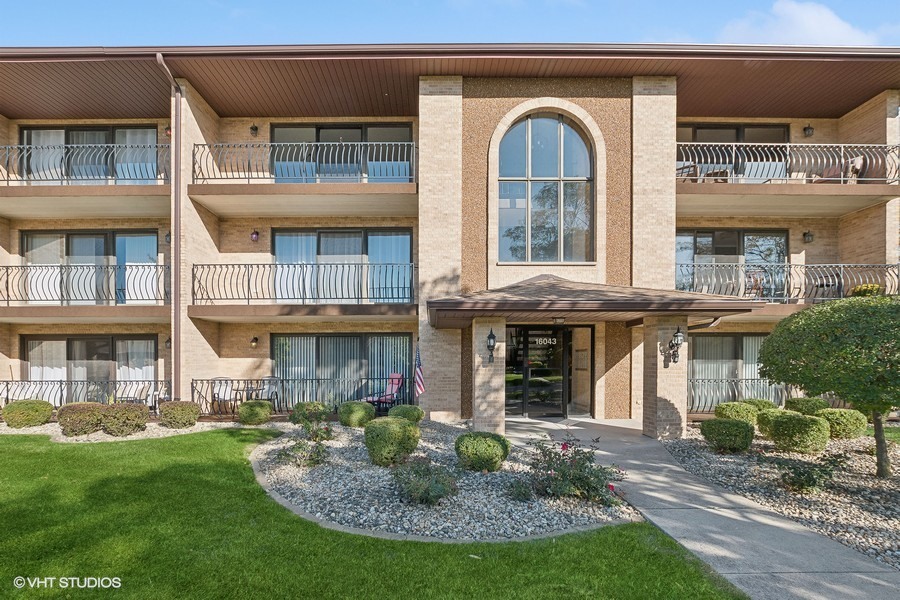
(233, 22)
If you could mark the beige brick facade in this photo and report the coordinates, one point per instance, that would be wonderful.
(489, 384)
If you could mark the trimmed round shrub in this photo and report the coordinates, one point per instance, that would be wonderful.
(80, 418)
(481, 450)
(844, 423)
(806, 406)
(799, 433)
(760, 404)
(727, 435)
(178, 414)
(390, 440)
(124, 418)
(254, 412)
(410, 412)
(764, 419)
(737, 411)
(356, 413)
(27, 413)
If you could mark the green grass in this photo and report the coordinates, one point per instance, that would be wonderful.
(890, 433)
(184, 517)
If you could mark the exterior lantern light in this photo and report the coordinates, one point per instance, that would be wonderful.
(254, 342)
(168, 131)
(809, 130)
(808, 237)
(491, 344)
(168, 343)
(675, 344)
(168, 237)
(254, 130)
(254, 236)
(559, 320)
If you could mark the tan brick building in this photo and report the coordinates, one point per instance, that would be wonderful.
(293, 223)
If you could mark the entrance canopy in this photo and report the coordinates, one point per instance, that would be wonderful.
(546, 297)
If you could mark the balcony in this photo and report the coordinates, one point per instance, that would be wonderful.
(88, 293)
(785, 283)
(61, 392)
(306, 179)
(705, 394)
(816, 179)
(85, 180)
(273, 292)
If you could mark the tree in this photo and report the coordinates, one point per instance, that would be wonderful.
(850, 347)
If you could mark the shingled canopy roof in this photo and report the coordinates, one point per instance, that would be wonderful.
(546, 297)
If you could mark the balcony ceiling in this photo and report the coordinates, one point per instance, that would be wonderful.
(358, 80)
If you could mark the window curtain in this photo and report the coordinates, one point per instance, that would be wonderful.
(387, 355)
(390, 272)
(294, 274)
(714, 371)
(45, 160)
(136, 163)
(136, 276)
(46, 363)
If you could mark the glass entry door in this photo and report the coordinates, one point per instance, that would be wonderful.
(538, 374)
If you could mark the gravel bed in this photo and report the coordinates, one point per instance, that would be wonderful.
(856, 508)
(153, 430)
(349, 490)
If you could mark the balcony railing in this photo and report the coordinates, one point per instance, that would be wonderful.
(787, 163)
(74, 285)
(85, 164)
(222, 395)
(59, 392)
(705, 394)
(319, 162)
(324, 283)
(780, 282)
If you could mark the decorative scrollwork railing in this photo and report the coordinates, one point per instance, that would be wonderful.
(59, 392)
(119, 164)
(787, 163)
(318, 162)
(781, 282)
(84, 284)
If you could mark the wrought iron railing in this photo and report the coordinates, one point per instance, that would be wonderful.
(314, 162)
(340, 283)
(59, 392)
(781, 282)
(222, 395)
(705, 394)
(787, 163)
(84, 284)
(73, 164)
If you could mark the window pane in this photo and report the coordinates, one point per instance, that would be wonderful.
(293, 135)
(135, 360)
(726, 243)
(684, 134)
(513, 203)
(684, 248)
(389, 134)
(704, 244)
(576, 156)
(544, 147)
(544, 221)
(717, 134)
(577, 211)
(343, 243)
(765, 135)
(512, 151)
(765, 247)
(348, 134)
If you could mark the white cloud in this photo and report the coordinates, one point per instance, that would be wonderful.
(798, 23)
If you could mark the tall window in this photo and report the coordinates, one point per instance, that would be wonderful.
(546, 192)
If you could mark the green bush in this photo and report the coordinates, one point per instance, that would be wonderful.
(481, 450)
(806, 406)
(309, 415)
(305, 453)
(799, 433)
(410, 412)
(760, 404)
(178, 414)
(808, 477)
(519, 490)
(764, 419)
(355, 414)
(727, 435)
(737, 411)
(390, 440)
(254, 412)
(27, 413)
(80, 418)
(562, 469)
(124, 418)
(420, 482)
(866, 289)
(844, 423)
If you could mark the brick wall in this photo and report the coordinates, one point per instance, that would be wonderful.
(488, 378)
(868, 122)
(237, 130)
(869, 236)
(825, 130)
(12, 127)
(4, 131)
(665, 382)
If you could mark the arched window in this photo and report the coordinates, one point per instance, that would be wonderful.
(546, 192)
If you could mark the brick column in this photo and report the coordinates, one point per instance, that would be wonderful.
(440, 238)
(488, 378)
(665, 383)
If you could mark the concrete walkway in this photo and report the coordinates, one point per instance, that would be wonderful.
(766, 555)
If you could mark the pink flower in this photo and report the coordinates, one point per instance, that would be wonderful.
(564, 447)
(611, 487)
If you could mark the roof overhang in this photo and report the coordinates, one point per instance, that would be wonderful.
(545, 298)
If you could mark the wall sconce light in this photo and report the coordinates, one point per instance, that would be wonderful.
(491, 344)
(254, 342)
(254, 130)
(168, 343)
(559, 320)
(808, 131)
(168, 237)
(168, 131)
(674, 346)
(254, 236)
(808, 237)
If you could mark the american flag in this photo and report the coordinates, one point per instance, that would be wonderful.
(420, 377)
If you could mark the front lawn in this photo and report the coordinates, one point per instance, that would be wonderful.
(890, 433)
(184, 517)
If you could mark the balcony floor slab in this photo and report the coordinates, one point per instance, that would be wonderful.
(84, 201)
(53, 314)
(280, 313)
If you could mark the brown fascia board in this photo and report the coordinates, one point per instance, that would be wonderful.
(595, 306)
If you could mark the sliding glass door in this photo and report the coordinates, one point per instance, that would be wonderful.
(137, 280)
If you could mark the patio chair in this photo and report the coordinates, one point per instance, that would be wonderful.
(224, 397)
(136, 392)
(687, 173)
(390, 395)
(268, 390)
